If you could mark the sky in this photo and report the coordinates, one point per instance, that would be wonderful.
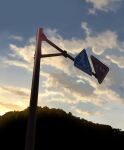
(74, 25)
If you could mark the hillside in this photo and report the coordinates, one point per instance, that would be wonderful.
(57, 130)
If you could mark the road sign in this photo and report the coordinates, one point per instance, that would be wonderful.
(81, 61)
(101, 69)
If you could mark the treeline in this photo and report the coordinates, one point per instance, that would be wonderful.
(57, 130)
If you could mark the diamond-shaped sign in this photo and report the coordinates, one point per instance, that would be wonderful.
(81, 61)
(101, 69)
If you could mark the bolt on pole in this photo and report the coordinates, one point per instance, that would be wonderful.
(31, 126)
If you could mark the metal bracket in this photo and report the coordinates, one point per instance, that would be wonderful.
(51, 55)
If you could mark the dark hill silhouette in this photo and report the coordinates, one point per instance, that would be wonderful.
(57, 130)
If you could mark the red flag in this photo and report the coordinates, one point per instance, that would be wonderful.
(101, 69)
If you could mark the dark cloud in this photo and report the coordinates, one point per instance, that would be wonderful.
(70, 82)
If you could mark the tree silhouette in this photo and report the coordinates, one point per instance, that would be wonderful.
(57, 130)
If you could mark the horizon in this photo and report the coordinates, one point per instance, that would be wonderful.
(67, 113)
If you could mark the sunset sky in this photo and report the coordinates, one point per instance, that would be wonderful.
(96, 25)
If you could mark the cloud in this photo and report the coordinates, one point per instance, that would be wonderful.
(17, 38)
(118, 60)
(87, 30)
(13, 98)
(98, 42)
(10, 106)
(15, 90)
(17, 63)
(67, 88)
(101, 42)
(108, 95)
(20, 56)
(80, 112)
(104, 5)
(87, 109)
(26, 53)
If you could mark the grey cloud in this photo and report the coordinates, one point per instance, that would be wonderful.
(16, 91)
(69, 82)
(118, 88)
(17, 38)
(90, 107)
(118, 60)
(104, 5)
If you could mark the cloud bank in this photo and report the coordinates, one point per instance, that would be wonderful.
(104, 5)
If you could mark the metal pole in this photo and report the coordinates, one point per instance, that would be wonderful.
(31, 127)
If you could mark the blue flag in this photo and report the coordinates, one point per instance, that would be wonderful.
(81, 61)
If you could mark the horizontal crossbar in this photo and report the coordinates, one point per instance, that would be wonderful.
(51, 55)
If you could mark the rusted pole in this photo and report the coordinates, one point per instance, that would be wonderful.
(31, 127)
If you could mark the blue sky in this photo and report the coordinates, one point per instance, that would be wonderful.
(95, 25)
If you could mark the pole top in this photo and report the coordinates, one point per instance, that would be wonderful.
(40, 35)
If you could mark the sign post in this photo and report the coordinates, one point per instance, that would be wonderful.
(81, 62)
(30, 137)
